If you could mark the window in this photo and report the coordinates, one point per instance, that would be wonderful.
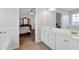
(75, 19)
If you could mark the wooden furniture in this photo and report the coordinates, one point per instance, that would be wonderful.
(26, 25)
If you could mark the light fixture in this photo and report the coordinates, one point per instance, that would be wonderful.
(51, 9)
(32, 12)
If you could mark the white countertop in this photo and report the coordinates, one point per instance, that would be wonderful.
(65, 32)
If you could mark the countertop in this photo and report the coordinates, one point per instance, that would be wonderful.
(65, 32)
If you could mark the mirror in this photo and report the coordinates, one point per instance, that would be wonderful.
(24, 21)
(67, 18)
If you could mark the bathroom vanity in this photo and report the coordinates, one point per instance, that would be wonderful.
(60, 39)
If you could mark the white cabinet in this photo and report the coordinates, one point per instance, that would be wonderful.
(51, 37)
(63, 43)
(4, 39)
(9, 23)
(66, 43)
(74, 44)
(44, 36)
(58, 41)
(48, 38)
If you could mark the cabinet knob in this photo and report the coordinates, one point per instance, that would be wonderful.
(66, 40)
(4, 32)
(0, 32)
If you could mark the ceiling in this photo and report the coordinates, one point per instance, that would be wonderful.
(26, 9)
(25, 12)
(67, 9)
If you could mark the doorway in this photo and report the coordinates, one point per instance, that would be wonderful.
(26, 27)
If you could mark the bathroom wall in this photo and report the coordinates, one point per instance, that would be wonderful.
(25, 12)
(65, 20)
(73, 12)
(43, 18)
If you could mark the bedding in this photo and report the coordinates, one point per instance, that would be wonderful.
(24, 30)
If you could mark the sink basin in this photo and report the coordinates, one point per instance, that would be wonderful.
(73, 32)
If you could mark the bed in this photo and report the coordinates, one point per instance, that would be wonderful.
(25, 26)
(25, 29)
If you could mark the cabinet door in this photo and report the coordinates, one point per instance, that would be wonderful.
(0, 40)
(74, 45)
(9, 23)
(51, 37)
(65, 43)
(60, 44)
(4, 39)
(71, 44)
(44, 36)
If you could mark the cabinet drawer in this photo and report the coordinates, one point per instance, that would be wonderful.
(51, 37)
(74, 44)
(67, 44)
(52, 43)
